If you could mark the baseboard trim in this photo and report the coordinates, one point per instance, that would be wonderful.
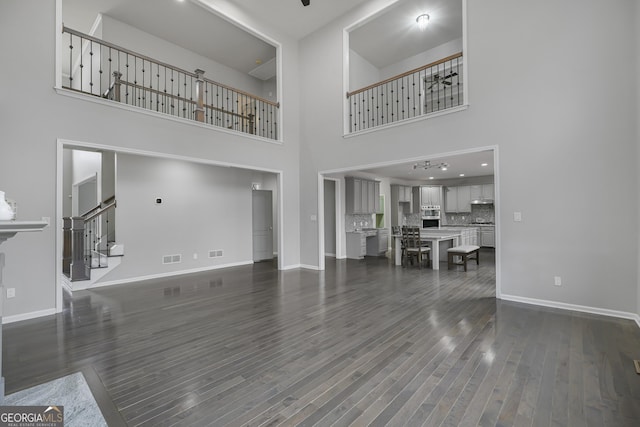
(290, 267)
(328, 254)
(169, 274)
(573, 307)
(28, 316)
(310, 267)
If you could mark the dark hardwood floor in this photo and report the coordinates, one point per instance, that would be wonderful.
(362, 343)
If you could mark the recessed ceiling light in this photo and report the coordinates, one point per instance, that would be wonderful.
(444, 169)
(430, 177)
(484, 164)
(461, 174)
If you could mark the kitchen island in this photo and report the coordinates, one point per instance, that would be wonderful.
(435, 236)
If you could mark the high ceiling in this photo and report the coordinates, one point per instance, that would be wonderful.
(387, 38)
(393, 35)
(185, 24)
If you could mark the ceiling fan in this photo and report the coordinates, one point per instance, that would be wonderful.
(436, 79)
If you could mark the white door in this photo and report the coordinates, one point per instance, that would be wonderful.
(262, 225)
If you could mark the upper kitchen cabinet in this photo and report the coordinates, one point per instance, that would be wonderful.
(362, 196)
(401, 193)
(482, 192)
(426, 195)
(401, 203)
(458, 199)
(451, 199)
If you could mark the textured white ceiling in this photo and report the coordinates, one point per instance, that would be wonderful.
(393, 35)
(183, 23)
(469, 164)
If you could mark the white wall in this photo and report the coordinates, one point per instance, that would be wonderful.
(34, 116)
(557, 140)
(421, 59)
(637, 73)
(362, 73)
(203, 208)
(85, 165)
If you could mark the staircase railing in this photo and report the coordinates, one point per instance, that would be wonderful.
(106, 70)
(428, 89)
(86, 241)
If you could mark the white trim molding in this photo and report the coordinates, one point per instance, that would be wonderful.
(28, 316)
(573, 307)
(169, 274)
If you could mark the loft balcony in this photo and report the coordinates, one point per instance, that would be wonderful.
(423, 91)
(108, 71)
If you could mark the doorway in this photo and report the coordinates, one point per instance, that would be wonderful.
(478, 162)
(330, 218)
(262, 227)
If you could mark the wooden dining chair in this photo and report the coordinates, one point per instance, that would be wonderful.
(415, 247)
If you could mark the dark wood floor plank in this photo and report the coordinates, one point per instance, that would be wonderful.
(363, 343)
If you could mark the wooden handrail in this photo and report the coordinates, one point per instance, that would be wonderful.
(179, 98)
(406, 73)
(171, 67)
(100, 212)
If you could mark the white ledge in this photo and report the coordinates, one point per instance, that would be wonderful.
(8, 229)
(115, 104)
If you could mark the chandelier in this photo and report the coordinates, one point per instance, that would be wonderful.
(428, 165)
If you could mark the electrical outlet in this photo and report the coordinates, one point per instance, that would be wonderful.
(557, 280)
(195, 256)
(517, 216)
(11, 292)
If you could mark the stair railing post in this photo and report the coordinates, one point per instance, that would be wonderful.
(199, 95)
(117, 75)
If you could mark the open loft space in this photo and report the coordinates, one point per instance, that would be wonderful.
(119, 51)
(404, 63)
(323, 212)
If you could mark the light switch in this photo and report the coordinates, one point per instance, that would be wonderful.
(314, 217)
(517, 216)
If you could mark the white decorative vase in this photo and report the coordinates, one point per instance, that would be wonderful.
(6, 213)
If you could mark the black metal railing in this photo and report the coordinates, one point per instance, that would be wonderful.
(100, 68)
(86, 241)
(425, 90)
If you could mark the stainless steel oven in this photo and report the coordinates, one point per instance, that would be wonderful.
(430, 223)
(430, 211)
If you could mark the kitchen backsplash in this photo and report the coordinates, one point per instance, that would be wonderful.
(484, 212)
(358, 221)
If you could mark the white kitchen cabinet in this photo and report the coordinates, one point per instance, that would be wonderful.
(374, 196)
(378, 244)
(451, 200)
(488, 237)
(400, 203)
(356, 245)
(362, 196)
(426, 195)
(482, 192)
(431, 195)
(464, 198)
(405, 194)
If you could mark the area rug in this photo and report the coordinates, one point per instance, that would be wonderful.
(72, 392)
